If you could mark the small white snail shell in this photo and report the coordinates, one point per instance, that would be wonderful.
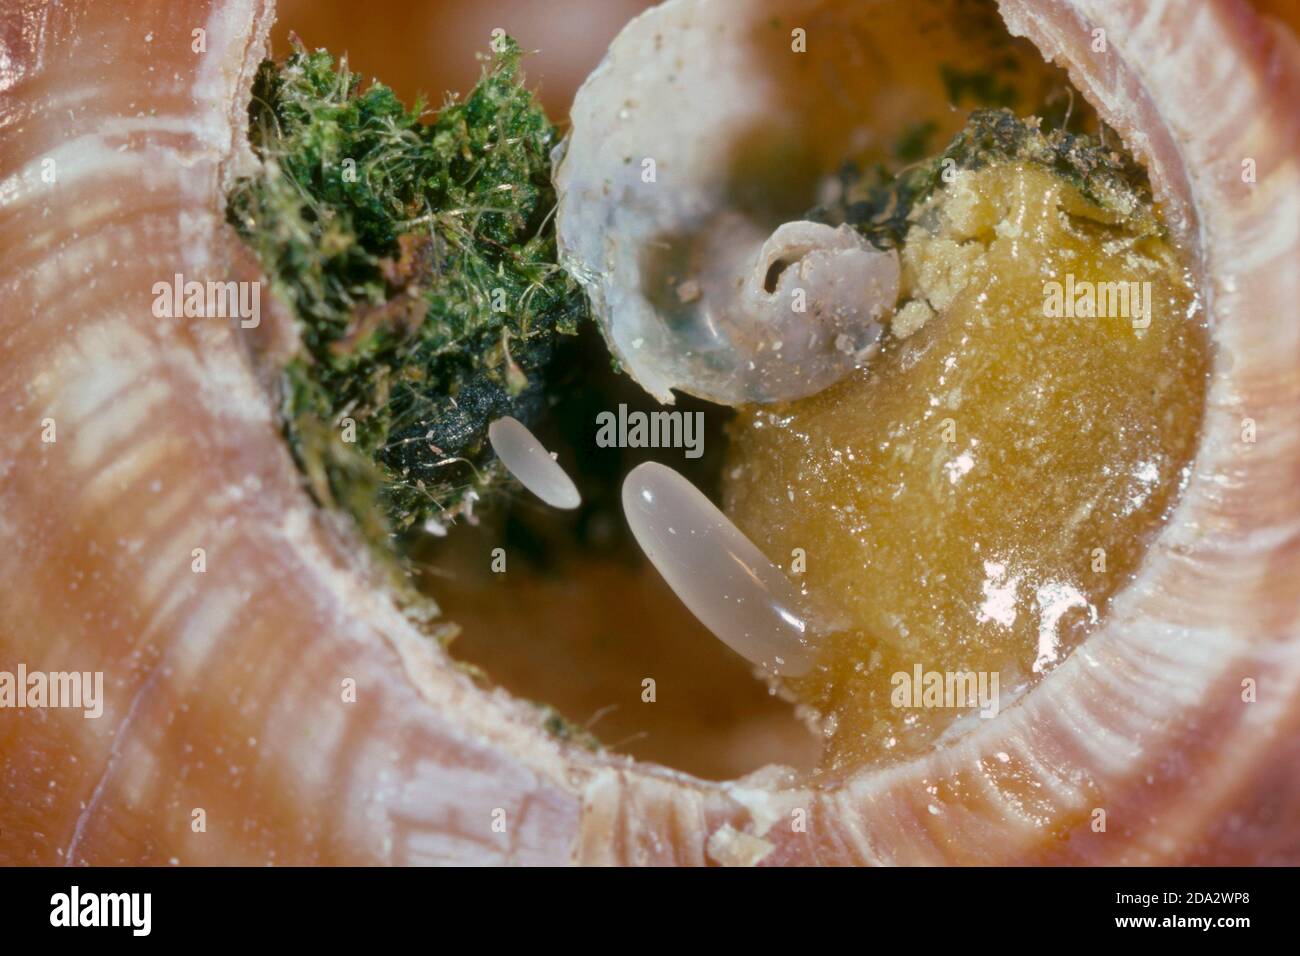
(677, 187)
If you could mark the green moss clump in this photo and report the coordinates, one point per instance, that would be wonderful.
(878, 203)
(419, 261)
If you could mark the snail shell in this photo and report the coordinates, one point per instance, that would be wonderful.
(223, 688)
(690, 149)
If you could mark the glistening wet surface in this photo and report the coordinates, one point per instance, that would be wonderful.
(973, 498)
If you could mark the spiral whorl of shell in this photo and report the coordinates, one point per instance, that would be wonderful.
(695, 149)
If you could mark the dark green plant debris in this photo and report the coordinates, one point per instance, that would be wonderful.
(419, 261)
(879, 203)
